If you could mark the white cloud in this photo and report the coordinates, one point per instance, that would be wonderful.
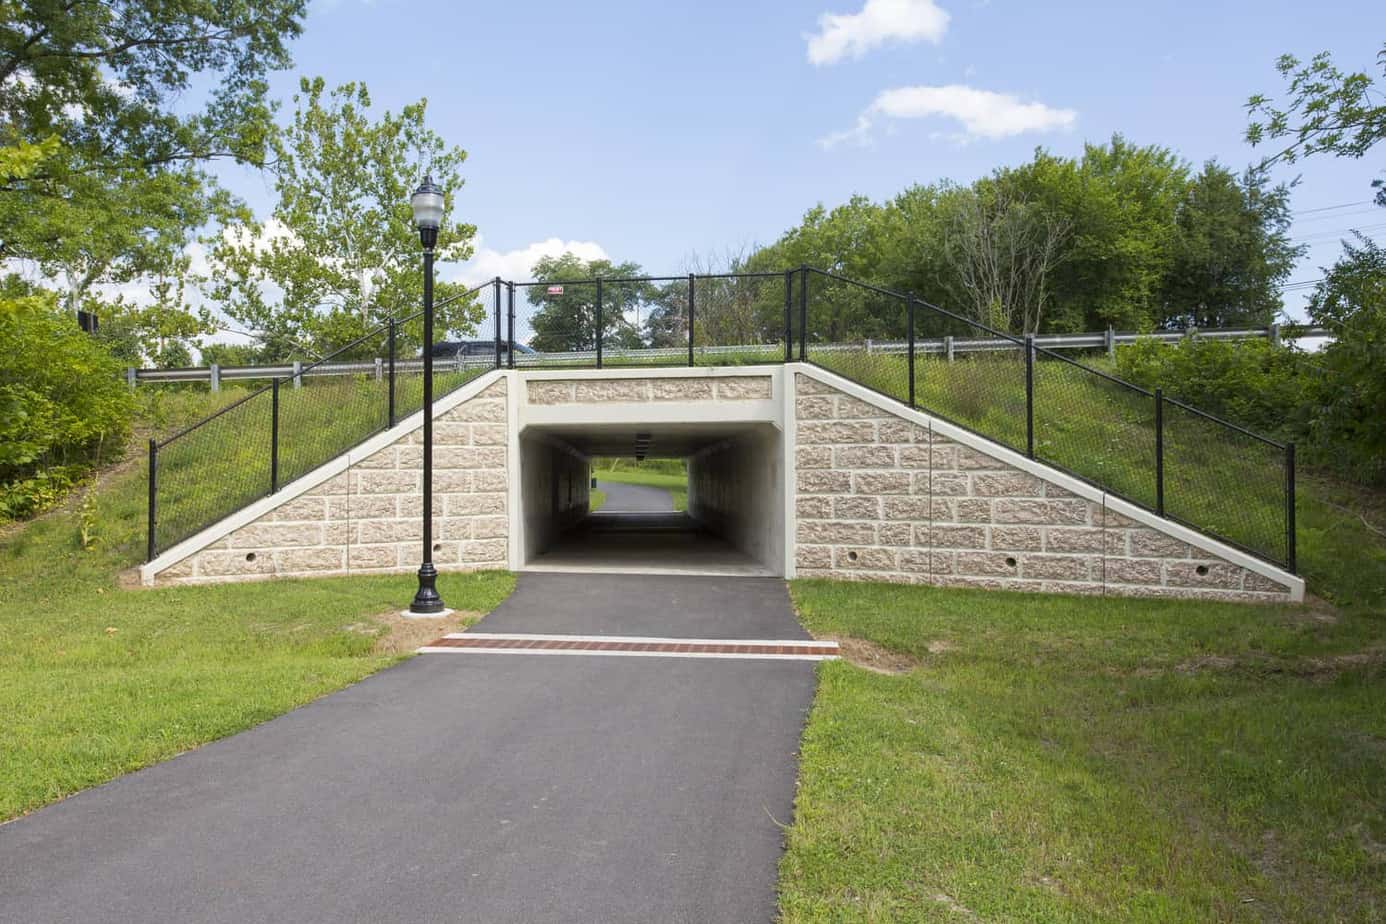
(517, 265)
(843, 35)
(983, 113)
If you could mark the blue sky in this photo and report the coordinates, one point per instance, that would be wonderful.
(647, 131)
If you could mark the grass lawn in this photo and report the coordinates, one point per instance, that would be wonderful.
(1048, 758)
(677, 485)
(595, 499)
(97, 680)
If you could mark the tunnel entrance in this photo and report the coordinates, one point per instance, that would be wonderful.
(650, 498)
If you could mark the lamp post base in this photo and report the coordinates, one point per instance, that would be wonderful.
(426, 600)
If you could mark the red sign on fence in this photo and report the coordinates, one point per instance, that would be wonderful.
(555, 290)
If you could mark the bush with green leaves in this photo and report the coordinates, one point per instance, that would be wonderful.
(1254, 383)
(64, 407)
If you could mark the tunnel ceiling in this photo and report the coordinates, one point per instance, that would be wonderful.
(665, 440)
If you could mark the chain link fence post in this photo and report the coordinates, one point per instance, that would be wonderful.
(152, 545)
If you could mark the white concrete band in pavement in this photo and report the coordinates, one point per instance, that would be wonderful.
(632, 646)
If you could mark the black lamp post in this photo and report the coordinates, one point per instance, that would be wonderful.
(427, 203)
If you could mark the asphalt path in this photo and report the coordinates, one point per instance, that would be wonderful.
(466, 787)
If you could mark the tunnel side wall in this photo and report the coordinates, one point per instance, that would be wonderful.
(556, 490)
(735, 489)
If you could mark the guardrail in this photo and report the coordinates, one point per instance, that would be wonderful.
(947, 347)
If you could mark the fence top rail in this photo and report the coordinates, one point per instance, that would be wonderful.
(1116, 380)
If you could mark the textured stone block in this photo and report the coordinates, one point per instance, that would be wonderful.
(864, 558)
(901, 533)
(266, 535)
(1050, 512)
(948, 484)
(881, 482)
(377, 532)
(1017, 538)
(805, 385)
(304, 507)
(873, 456)
(454, 527)
(814, 457)
(457, 481)
(1259, 582)
(970, 459)
(490, 527)
(485, 434)
(997, 564)
(483, 551)
(953, 536)
(1075, 539)
(470, 505)
(975, 510)
(813, 556)
(235, 563)
(1061, 567)
(905, 508)
(837, 432)
(856, 507)
(894, 430)
(1202, 574)
(372, 556)
(386, 482)
(550, 392)
(493, 480)
(824, 482)
(449, 434)
(468, 457)
(1134, 571)
(477, 409)
(814, 508)
(743, 388)
(835, 532)
(182, 569)
(327, 558)
(382, 458)
(681, 389)
(849, 408)
(1147, 543)
(815, 407)
(1005, 484)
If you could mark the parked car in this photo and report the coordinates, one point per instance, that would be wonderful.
(473, 349)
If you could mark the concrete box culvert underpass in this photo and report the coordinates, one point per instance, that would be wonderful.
(793, 471)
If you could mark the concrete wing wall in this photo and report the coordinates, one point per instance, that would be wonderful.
(361, 514)
(897, 496)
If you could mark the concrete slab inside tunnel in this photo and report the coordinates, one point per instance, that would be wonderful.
(734, 524)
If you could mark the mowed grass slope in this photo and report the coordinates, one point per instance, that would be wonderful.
(97, 680)
(1049, 758)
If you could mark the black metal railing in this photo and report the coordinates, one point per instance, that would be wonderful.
(1154, 451)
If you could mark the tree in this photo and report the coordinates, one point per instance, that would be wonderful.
(1005, 249)
(1327, 112)
(1351, 302)
(101, 145)
(1230, 252)
(339, 253)
(567, 321)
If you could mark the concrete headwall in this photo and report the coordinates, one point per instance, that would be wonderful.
(889, 496)
(735, 489)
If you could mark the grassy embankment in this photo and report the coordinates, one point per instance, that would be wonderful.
(1022, 757)
(97, 679)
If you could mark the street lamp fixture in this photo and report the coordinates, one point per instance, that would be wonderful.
(427, 203)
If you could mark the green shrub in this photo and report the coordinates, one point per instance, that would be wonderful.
(64, 407)
(1261, 386)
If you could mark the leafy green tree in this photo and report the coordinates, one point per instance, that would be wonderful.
(101, 144)
(339, 253)
(567, 321)
(1351, 302)
(1230, 251)
(64, 406)
(1326, 111)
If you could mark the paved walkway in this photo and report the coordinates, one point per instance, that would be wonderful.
(635, 498)
(495, 788)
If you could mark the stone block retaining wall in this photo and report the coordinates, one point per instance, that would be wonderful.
(367, 519)
(879, 497)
